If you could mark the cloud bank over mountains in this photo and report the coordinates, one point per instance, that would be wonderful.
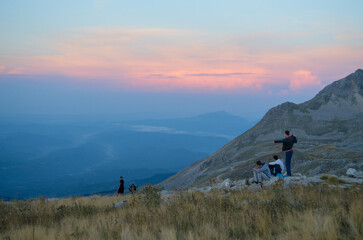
(173, 60)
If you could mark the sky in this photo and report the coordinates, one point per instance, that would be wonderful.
(162, 58)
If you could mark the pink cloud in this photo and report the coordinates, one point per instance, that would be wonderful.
(303, 79)
(174, 60)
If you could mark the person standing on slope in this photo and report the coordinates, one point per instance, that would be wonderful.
(121, 187)
(287, 144)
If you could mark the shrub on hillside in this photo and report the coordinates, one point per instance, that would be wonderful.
(150, 195)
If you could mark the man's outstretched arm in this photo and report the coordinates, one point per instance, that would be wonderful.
(280, 141)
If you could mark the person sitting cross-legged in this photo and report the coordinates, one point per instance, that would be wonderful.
(261, 172)
(132, 189)
(277, 166)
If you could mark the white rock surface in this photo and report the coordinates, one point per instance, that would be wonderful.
(165, 200)
(352, 180)
(166, 192)
(351, 172)
(272, 181)
(288, 182)
(239, 185)
(119, 204)
(226, 184)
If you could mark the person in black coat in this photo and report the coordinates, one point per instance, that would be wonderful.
(121, 187)
(287, 144)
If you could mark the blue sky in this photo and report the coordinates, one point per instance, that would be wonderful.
(219, 54)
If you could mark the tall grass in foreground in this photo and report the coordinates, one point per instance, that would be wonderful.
(315, 212)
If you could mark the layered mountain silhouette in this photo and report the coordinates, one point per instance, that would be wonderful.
(329, 129)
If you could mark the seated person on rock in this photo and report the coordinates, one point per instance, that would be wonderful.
(132, 189)
(261, 172)
(277, 166)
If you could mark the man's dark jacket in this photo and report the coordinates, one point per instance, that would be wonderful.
(287, 143)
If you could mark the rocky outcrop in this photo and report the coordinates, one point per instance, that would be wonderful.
(351, 172)
(328, 127)
(287, 182)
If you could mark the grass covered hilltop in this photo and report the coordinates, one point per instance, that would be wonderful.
(313, 212)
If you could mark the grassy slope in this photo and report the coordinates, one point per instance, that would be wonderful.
(315, 212)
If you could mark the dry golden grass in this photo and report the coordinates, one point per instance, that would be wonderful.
(315, 212)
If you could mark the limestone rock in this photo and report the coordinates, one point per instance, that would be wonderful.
(287, 182)
(166, 192)
(255, 187)
(351, 172)
(270, 182)
(167, 201)
(119, 204)
(226, 184)
(216, 180)
(352, 180)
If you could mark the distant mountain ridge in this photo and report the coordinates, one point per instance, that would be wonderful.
(329, 128)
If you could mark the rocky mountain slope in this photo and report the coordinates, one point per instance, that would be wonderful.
(329, 129)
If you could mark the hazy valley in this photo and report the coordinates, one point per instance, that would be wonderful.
(62, 157)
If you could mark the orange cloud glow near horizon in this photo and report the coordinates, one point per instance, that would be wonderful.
(174, 60)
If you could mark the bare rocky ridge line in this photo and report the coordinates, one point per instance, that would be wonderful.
(329, 129)
(352, 179)
(344, 181)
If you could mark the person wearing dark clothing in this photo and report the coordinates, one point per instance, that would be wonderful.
(121, 187)
(287, 146)
(132, 189)
(277, 166)
(275, 169)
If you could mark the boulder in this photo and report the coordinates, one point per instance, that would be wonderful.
(226, 184)
(352, 180)
(167, 201)
(315, 179)
(239, 185)
(287, 182)
(216, 180)
(351, 172)
(241, 182)
(255, 187)
(206, 189)
(293, 178)
(297, 175)
(268, 183)
(250, 181)
(166, 192)
(345, 186)
(119, 204)
(202, 189)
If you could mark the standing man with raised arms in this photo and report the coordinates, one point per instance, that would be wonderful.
(287, 144)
